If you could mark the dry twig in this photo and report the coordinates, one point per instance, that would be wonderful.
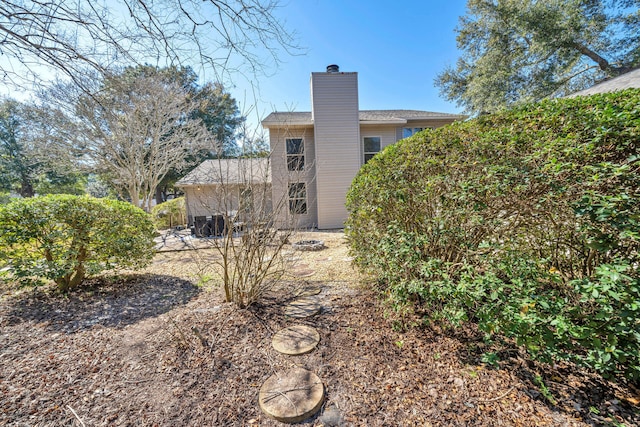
(76, 415)
(502, 396)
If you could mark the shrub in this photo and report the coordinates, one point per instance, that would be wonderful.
(526, 221)
(65, 238)
(5, 198)
(170, 213)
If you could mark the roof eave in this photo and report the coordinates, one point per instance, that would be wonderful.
(269, 125)
(202, 184)
(193, 184)
(384, 122)
(439, 118)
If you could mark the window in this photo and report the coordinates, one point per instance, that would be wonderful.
(246, 201)
(298, 198)
(407, 132)
(371, 147)
(295, 154)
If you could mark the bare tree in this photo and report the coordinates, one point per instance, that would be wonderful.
(250, 225)
(72, 37)
(233, 206)
(137, 130)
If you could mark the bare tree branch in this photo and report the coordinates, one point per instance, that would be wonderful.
(39, 37)
(138, 129)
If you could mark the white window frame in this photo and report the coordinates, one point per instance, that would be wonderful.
(296, 200)
(366, 153)
(290, 157)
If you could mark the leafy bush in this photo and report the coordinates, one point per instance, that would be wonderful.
(170, 213)
(5, 198)
(526, 221)
(65, 238)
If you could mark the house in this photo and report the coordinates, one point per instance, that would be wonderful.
(227, 190)
(316, 154)
(625, 81)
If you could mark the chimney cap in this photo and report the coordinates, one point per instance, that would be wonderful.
(333, 68)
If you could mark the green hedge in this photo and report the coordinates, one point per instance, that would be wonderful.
(65, 238)
(526, 221)
(170, 213)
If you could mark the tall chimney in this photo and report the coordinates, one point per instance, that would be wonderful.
(336, 139)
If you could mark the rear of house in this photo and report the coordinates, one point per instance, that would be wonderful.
(316, 155)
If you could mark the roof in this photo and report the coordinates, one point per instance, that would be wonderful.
(294, 118)
(625, 81)
(228, 171)
(393, 115)
(291, 118)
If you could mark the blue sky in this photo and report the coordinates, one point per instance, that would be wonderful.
(397, 48)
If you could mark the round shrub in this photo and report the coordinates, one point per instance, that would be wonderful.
(170, 213)
(66, 238)
(526, 221)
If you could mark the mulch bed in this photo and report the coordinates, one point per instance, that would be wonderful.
(156, 350)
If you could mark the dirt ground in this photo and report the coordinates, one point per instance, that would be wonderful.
(159, 349)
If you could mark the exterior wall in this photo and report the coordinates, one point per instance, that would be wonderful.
(334, 106)
(281, 177)
(208, 200)
(386, 133)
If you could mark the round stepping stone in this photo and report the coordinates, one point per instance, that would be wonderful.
(295, 340)
(291, 396)
(308, 245)
(308, 291)
(304, 273)
(303, 307)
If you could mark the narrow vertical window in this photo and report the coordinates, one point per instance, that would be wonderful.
(298, 198)
(371, 147)
(246, 201)
(295, 154)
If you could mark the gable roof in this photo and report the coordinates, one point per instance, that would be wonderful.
(304, 118)
(626, 81)
(228, 171)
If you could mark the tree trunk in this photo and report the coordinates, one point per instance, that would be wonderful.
(147, 202)
(603, 64)
(26, 187)
(73, 279)
(160, 195)
(135, 197)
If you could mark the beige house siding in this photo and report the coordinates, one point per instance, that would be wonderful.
(209, 200)
(282, 177)
(222, 187)
(387, 136)
(334, 100)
